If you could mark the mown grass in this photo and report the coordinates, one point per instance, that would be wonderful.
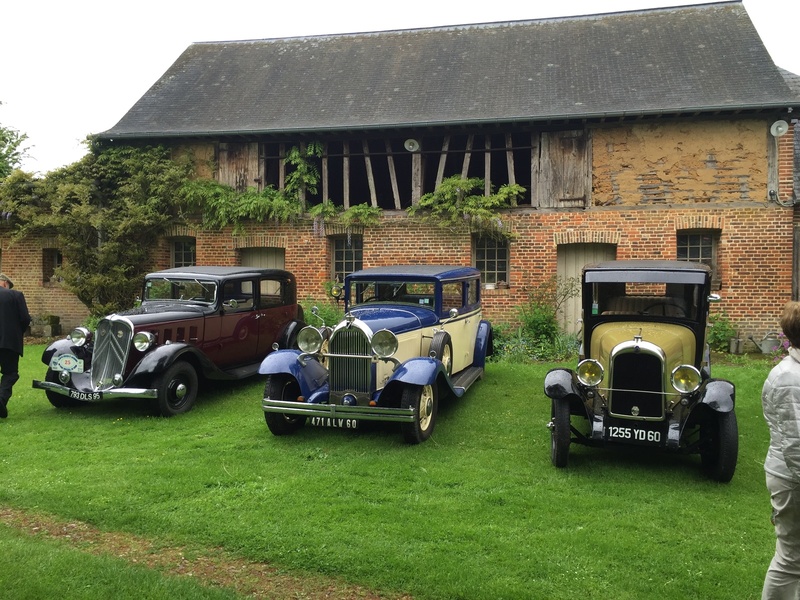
(477, 512)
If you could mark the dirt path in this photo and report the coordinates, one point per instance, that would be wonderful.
(213, 567)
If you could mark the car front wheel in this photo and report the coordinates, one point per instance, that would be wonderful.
(719, 446)
(423, 399)
(560, 435)
(282, 387)
(177, 389)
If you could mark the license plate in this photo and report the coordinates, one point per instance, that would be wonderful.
(334, 422)
(634, 435)
(85, 396)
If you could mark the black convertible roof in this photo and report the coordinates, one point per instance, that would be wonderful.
(669, 61)
(647, 271)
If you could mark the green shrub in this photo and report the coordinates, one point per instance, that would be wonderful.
(330, 312)
(720, 332)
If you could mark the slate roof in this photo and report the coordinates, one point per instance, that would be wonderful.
(690, 59)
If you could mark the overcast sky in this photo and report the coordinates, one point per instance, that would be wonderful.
(71, 68)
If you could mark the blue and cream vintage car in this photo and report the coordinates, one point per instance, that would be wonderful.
(644, 376)
(410, 335)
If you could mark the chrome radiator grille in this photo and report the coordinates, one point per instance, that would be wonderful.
(636, 383)
(112, 342)
(349, 373)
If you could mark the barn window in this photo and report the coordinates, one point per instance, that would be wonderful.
(490, 256)
(183, 252)
(701, 246)
(347, 255)
(51, 260)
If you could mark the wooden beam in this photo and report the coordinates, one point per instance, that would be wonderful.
(325, 174)
(510, 160)
(416, 176)
(346, 174)
(442, 160)
(467, 156)
(487, 165)
(392, 174)
(370, 177)
(281, 166)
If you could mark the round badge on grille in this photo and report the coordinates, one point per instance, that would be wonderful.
(635, 411)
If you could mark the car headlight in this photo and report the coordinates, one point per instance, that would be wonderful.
(590, 372)
(686, 379)
(143, 340)
(384, 343)
(309, 340)
(80, 336)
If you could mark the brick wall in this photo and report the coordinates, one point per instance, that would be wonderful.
(648, 183)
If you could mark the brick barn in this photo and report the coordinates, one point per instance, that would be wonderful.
(642, 134)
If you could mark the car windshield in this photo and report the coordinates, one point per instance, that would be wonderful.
(647, 299)
(181, 290)
(418, 293)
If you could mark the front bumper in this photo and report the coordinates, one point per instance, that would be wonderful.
(333, 411)
(94, 395)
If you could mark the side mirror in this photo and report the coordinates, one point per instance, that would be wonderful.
(714, 298)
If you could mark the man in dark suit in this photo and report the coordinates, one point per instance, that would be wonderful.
(14, 320)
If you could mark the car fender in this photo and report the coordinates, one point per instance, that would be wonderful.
(289, 334)
(63, 346)
(560, 383)
(161, 358)
(310, 375)
(422, 370)
(719, 395)
(484, 344)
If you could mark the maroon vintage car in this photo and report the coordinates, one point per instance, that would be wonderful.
(192, 323)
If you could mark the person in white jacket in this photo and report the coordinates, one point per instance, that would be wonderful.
(780, 399)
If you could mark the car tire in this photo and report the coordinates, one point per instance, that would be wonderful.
(424, 400)
(177, 389)
(443, 347)
(282, 387)
(560, 434)
(59, 400)
(719, 446)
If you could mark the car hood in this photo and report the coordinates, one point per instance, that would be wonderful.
(676, 341)
(157, 312)
(397, 320)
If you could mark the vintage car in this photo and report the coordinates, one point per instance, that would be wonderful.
(410, 335)
(644, 376)
(191, 323)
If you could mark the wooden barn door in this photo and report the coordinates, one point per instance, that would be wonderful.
(571, 260)
(264, 258)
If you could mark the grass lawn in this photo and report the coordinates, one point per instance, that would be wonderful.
(477, 512)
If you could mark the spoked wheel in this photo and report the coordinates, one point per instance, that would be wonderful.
(443, 348)
(282, 387)
(177, 389)
(423, 399)
(719, 446)
(560, 435)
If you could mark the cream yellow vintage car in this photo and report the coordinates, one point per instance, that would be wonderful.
(410, 335)
(644, 376)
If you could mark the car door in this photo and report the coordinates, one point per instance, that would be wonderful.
(240, 324)
(464, 327)
(274, 311)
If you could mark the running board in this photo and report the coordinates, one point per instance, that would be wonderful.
(463, 380)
